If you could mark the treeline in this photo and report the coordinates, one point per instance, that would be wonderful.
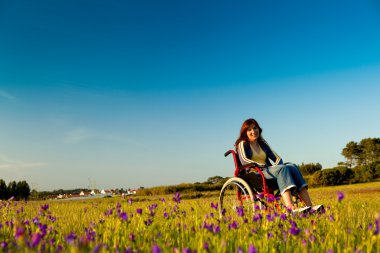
(362, 165)
(37, 195)
(18, 191)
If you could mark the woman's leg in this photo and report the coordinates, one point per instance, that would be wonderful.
(297, 176)
(287, 198)
(305, 197)
(285, 182)
(301, 184)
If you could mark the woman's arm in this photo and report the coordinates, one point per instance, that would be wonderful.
(271, 154)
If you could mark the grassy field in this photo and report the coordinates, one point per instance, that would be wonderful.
(350, 223)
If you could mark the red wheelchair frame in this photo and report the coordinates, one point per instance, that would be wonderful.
(267, 193)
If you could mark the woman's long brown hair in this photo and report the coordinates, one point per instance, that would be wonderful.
(243, 131)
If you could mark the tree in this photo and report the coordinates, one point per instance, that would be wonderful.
(216, 180)
(3, 190)
(23, 190)
(12, 189)
(352, 153)
(310, 168)
(370, 150)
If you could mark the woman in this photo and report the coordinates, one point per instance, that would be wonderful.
(252, 148)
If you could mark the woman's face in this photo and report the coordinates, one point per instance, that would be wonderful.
(253, 133)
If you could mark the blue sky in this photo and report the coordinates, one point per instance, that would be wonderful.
(122, 94)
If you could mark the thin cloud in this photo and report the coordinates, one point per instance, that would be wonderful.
(77, 135)
(6, 163)
(84, 134)
(5, 94)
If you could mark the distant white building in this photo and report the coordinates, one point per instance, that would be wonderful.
(108, 192)
(129, 192)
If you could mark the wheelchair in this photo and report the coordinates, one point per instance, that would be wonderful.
(250, 191)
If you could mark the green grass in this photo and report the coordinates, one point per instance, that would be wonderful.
(114, 225)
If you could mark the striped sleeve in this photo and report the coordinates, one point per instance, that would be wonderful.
(243, 157)
(277, 159)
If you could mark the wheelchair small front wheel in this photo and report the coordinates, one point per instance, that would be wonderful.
(235, 194)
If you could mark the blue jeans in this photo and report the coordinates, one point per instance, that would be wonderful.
(288, 177)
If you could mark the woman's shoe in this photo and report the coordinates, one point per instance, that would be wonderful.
(318, 208)
(302, 209)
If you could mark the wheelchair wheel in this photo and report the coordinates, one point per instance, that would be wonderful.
(236, 193)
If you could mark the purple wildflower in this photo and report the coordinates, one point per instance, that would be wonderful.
(152, 207)
(208, 227)
(148, 222)
(36, 238)
(130, 200)
(108, 212)
(51, 218)
(131, 237)
(43, 229)
(294, 230)
(156, 249)
(166, 215)
(240, 250)
(270, 198)
(377, 225)
(251, 249)
(71, 238)
(97, 248)
(293, 223)
(233, 225)
(123, 216)
(44, 207)
(59, 249)
(269, 235)
(3, 244)
(270, 217)
(215, 206)
(186, 250)
(139, 210)
(240, 211)
(177, 197)
(257, 217)
(216, 229)
(223, 211)
(162, 200)
(35, 220)
(19, 232)
(90, 234)
(331, 218)
(205, 246)
(340, 196)
(283, 216)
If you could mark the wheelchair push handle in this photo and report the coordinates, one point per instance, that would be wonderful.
(228, 152)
